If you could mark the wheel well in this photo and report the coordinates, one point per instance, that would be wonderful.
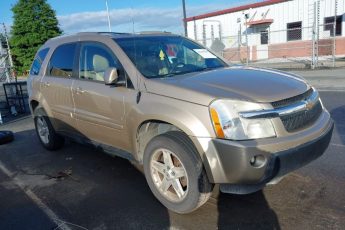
(148, 130)
(34, 105)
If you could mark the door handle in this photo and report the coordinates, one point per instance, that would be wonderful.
(79, 90)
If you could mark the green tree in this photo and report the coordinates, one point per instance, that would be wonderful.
(34, 23)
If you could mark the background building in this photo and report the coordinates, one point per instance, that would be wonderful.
(274, 29)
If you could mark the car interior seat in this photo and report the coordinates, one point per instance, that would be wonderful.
(100, 65)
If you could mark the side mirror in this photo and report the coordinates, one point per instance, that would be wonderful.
(111, 76)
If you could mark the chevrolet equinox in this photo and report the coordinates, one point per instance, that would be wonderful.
(169, 104)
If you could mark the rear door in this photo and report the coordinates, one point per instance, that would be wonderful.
(100, 108)
(56, 87)
(35, 71)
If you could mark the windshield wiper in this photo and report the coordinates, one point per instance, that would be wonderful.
(174, 74)
(208, 68)
(185, 72)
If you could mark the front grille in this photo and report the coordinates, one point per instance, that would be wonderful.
(292, 100)
(303, 119)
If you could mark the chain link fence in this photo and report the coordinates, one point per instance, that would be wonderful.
(5, 59)
(4, 73)
(293, 47)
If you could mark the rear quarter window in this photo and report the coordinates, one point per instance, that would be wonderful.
(62, 61)
(37, 63)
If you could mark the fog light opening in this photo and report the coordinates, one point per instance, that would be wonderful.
(258, 161)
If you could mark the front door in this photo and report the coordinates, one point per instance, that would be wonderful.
(56, 87)
(100, 108)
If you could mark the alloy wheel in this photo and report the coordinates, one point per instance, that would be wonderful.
(169, 175)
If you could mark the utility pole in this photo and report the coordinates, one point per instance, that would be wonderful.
(106, 5)
(184, 18)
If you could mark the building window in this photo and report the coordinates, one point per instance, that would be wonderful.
(264, 37)
(329, 23)
(294, 31)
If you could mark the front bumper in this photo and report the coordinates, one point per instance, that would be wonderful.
(228, 162)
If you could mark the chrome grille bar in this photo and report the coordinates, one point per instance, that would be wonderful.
(283, 111)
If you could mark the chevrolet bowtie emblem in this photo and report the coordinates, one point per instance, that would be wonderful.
(309, 104)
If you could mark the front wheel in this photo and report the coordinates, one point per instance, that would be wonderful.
(175, 173)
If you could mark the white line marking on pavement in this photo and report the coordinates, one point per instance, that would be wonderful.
(331, 90)
(52, 216)
(338, 145)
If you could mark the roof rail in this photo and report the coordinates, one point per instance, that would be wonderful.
(61, 36)
(113, 33)
(101, 33)
(154, 32)
(79, 33)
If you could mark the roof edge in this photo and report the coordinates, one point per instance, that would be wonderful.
(235, 9)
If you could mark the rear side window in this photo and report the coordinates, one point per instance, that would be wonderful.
(62, 61)
(36, 65)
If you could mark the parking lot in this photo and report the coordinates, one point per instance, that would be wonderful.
(79, 187)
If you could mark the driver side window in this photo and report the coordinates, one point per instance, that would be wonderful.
(95, 59)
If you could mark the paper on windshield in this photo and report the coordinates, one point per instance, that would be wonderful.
(204, 53)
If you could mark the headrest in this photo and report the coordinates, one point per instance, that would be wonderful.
(100, 64)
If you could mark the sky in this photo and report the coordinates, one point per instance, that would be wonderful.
(126, 15)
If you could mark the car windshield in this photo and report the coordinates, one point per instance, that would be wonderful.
(166, 56)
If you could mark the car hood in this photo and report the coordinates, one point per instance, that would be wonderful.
(237, 82)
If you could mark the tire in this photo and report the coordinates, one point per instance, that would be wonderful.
(46, 133)
(193, 188)
(6, 137)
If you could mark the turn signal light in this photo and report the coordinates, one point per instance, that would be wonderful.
(216, 123)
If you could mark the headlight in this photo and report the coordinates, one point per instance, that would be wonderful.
(228, 124)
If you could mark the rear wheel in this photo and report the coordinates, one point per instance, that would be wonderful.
(175, 173)
(46, 133)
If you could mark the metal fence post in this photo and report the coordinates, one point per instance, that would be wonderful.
(248, 54)
(204, 34)
(313, 40)
(239, 43)
(317, 32)
(195, 31)
(220, 31)
(334, 31)
(316, 29)
(212, 33)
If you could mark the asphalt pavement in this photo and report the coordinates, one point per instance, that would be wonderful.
(324, 79)
(79, 187)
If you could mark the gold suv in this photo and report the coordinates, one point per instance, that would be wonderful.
(170, 104)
